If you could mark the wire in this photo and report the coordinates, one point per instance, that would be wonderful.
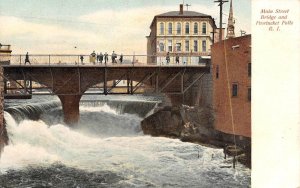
(229, 94)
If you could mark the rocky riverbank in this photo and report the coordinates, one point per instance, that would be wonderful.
(194, 124)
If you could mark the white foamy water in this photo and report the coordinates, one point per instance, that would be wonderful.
(107, 141)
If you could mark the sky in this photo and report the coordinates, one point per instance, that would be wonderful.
(58, 26)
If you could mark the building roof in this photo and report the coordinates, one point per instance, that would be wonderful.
(185, 14)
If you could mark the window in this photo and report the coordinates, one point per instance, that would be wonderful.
(195, 28)
(161, 47)
(203, 28)
(195, 46)
(162, 28)
(249, 69)
(249, 93)
(187, 45)
(178, 28)
(170, 45)
(170, 28)
(217, 71)
(204, 45)
(234, 90)
(187, 28)
(178, 46)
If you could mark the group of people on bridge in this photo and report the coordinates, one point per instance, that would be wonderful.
(176, 58)
(99, 58)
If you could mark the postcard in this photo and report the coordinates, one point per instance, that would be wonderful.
(136, 93)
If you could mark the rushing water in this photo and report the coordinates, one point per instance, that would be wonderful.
(106, 149)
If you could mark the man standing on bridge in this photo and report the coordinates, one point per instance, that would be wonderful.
(81, 59)
(177, 58)
(168, 58)
(113, 57)
(121, 58)
(105, 57)
(27, 59)
(100, 57)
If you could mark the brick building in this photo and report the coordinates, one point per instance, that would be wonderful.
(231, 62)
(186, 33)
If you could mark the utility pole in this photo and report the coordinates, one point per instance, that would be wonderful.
(221, 2)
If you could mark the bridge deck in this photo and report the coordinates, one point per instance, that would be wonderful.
(109, 65)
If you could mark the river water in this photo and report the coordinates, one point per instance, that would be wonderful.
(106, 149)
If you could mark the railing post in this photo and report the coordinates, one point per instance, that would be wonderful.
(105, 81)
(20, 59)
(49, 60)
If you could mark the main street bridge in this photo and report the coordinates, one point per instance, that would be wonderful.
(69, 81)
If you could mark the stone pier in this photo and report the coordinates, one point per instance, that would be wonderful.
(70, 105)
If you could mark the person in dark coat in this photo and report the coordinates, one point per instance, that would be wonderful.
(100, 57)
(168, 58)
(105, 57)
(81, 59)
(27, 59)
(113, 57)
(121, 58)
(177, 58)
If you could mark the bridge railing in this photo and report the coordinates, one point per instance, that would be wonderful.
(89, 60)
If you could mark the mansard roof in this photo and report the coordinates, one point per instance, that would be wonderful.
(184, 14)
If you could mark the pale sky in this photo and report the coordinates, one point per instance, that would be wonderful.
(57, 26)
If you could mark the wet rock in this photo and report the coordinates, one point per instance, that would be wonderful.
(187, 123)
(191, 124)
(166, 122)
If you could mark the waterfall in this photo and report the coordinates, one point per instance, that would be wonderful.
(32, 111)
(141, 108)
(106, 149)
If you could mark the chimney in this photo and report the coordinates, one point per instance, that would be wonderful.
(181, 9)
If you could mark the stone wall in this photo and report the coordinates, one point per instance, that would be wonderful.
(201, 93)
(206, 90)
(3, 134)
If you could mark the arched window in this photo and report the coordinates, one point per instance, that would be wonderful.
(178, 28)
(204, 28)
(170, 28)
(187, 28)
(162, 28)
(195, 28)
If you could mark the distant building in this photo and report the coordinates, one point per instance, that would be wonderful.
(5, 54)
(231, 62)
(186, 33)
